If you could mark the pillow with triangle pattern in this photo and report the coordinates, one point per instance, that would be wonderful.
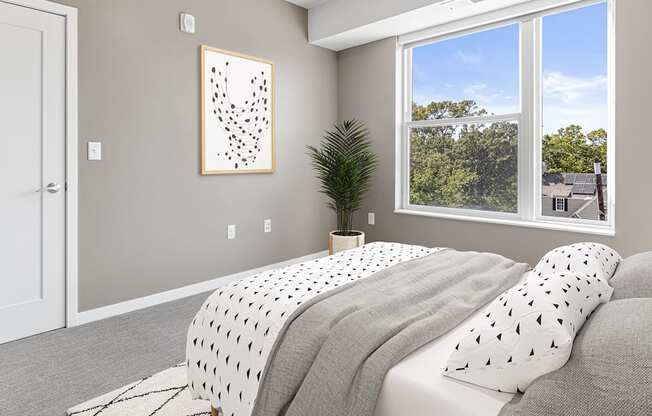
(527, 331)
(587, 258)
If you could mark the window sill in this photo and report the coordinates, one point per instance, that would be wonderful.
(540, 224)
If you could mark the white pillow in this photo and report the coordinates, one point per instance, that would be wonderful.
(527, 331)
(586, 258)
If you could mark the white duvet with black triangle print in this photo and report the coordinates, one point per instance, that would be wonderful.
(529, 330)
(233, 333)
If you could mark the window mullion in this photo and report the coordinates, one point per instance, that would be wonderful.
(537, 119)
(526, 190)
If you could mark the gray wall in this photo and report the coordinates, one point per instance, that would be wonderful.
(366, 90)
(148, 222)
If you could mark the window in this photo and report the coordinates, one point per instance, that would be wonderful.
(560, 204)
(487, 111)
(575, 110)
(464, 148)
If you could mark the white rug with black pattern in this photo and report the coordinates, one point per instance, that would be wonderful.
(163, 394)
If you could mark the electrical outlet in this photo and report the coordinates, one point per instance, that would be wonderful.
(267, 225)
(230, 232)
(371, 218)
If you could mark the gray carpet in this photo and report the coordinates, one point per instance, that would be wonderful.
(49, 373)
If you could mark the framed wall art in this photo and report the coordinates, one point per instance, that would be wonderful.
(237, 113)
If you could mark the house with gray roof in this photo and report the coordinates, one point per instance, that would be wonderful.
(572, 195)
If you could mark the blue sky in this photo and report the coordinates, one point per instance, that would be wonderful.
(484, 67)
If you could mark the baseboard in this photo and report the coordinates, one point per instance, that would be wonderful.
(182, 292)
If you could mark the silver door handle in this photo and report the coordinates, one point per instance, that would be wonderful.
(52, 188)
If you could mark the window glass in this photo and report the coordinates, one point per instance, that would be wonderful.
(471, 166)
(575, 111)
(468, 75)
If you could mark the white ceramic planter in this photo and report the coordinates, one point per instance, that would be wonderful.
(337, 243)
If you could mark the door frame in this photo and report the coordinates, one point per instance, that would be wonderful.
(71, 162)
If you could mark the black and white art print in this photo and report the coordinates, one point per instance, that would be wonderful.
(237, 113)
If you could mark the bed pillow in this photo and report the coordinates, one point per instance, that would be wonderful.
(608, 372)
(527, 331)
(585, 258)
(633, 278)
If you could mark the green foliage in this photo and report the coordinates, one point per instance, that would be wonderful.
(473, 166)
(446, 109)
(476, 165)
(345, 165)
(570, 150)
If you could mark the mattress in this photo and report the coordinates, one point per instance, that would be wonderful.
(416, 386)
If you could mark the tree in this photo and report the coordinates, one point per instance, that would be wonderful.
(570, 150)
(446, 109)
(470, 165)
(476, 165)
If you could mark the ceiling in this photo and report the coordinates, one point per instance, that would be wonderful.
(307, 4)
(342, 24)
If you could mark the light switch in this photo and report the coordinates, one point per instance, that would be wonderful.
(267, 225)
(230, 232)
(94, 151)
(371, 218)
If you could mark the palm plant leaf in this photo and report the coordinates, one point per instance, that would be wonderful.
(345, 164)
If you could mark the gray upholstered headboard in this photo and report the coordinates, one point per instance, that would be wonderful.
(633, 277)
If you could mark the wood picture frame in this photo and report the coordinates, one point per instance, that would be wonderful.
(238, 113)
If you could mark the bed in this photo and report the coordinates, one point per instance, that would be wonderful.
(416, 387)
(231, 337)
(369, 332)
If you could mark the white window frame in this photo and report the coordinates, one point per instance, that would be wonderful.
(529, 118)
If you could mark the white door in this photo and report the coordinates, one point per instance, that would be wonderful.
(32, 172)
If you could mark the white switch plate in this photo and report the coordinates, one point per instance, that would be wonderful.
(94, 151)
(371, 218)
(267, 225)
(187, 23)
(230, 232)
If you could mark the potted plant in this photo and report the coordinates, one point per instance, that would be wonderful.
(344, 164)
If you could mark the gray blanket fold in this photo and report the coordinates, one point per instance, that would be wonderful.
(333, 354)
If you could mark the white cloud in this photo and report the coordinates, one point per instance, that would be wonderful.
(475, 88)
(590, 117)
(480, 92)
(467, 57)
(574, 100)
(569, 89)
(424, 97)
(483, 95)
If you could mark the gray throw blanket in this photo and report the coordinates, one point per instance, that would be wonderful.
(333, 353)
